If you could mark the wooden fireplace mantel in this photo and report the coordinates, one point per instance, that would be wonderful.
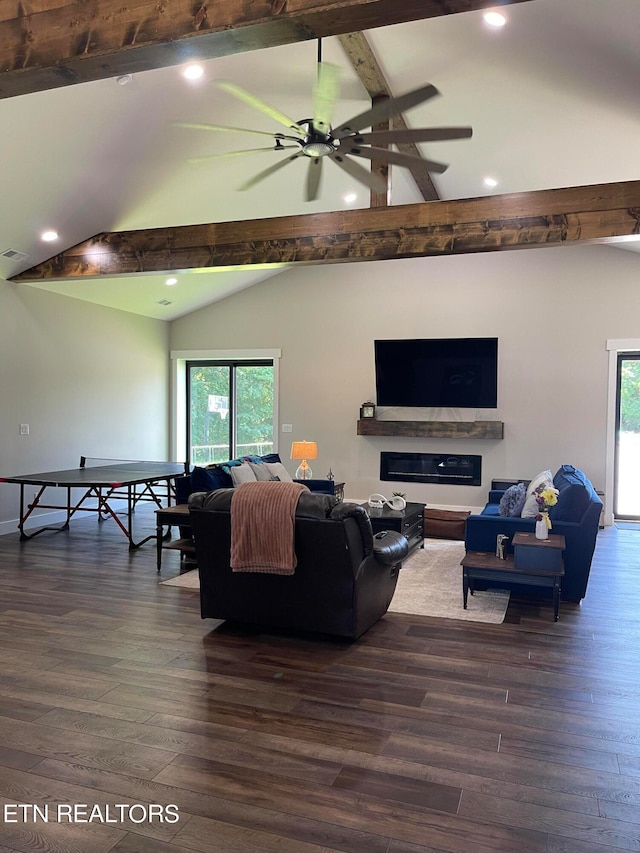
(432, 429)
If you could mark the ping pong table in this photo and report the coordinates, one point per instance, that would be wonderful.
(102, 482)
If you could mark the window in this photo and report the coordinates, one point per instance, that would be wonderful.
(230, 409)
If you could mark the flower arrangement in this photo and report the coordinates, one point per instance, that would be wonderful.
(546, 497)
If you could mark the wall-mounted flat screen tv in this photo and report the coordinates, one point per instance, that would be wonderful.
(442, 372)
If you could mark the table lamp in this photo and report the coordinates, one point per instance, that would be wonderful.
(304, 450)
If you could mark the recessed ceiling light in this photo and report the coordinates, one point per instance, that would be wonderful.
(490, 182)
(49, 236)
(124, 79)
(494, 19)
(349, 198)
(193, 72)
(171, 281)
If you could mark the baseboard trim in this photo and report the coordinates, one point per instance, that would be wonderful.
(44, 519)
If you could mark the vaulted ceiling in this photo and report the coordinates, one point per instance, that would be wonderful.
(552, 99)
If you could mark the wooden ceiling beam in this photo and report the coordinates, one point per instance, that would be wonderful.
(372, 78)
(45, 45)
(590, 214)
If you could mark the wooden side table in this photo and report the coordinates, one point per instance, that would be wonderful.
(535, 562)
(172, 516)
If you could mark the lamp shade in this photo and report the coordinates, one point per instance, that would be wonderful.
(304, 450)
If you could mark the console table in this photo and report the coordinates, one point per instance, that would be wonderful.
(408, 521)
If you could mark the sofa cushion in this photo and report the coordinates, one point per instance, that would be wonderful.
(512, 502)
(574, 494)
(271, 457)
(208, 479)
(491, 509)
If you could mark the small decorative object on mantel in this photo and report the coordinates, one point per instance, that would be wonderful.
(367, 410)
(546, 497)
(330, 475)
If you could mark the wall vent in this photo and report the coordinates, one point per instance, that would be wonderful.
(14, 255)
(164, 302)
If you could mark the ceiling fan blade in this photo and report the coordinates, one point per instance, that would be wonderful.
(419, 134)
(325, 95)
(263, 107)
(359, 173)
(208, 158)
(266, 172)
(396, 157)
(314, 174)
(194, 126)
(385, 109)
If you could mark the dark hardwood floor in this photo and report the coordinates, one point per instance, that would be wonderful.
(427, 735)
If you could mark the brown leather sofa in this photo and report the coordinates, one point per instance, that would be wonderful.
(343, 582)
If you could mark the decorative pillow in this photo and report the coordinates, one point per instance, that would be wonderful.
(513, 500)
(243, 474)
(530, 508)
(271, 457)
(209, 479)
(227, 466)
(277, 469)
(543, 478)
(260, 470)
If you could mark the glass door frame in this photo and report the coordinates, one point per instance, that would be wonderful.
(178, 401)
(620, 358)
(614, 347)
(232, 365)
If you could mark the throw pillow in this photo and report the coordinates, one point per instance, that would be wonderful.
(209, 479)
(242, 474)
(530, 508)
(260, 470)
(513, 500)
(543, 478)
(277, 469)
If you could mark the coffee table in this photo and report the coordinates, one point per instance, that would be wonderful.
(408, 521)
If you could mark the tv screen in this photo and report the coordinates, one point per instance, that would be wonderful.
(443, 372)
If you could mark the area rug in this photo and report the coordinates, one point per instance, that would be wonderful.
(430, 584)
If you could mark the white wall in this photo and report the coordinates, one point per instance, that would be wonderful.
(88, 380)
(552, 310)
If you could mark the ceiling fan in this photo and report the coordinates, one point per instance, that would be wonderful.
(317, 140)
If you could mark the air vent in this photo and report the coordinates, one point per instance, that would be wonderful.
(14, 255)
(164, 302)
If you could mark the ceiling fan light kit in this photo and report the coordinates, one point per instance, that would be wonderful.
(316, 139)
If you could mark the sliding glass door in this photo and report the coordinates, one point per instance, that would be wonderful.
(627, 462)
(230, 410)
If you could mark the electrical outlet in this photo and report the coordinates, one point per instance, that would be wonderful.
(24, 429)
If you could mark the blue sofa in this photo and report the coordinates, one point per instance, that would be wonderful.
(576, 516)
(218, 477)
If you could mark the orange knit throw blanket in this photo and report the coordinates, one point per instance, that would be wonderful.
(262, 527)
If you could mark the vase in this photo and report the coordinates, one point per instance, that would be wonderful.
(542, 531)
